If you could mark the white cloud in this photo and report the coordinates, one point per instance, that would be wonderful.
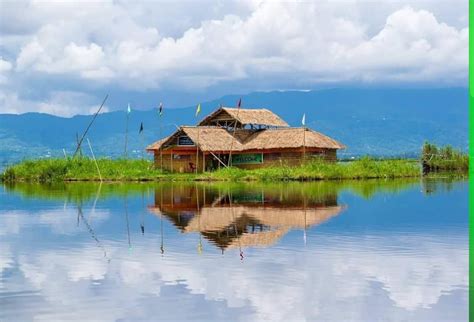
(61, 103)
(261, 45)
(307, 41)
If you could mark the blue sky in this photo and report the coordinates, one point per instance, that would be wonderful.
(61, 58)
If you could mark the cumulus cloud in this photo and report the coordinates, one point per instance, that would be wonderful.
(261, 45)
(299, 40)
(61, 103)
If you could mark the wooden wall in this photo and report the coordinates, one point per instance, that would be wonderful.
(181, 162)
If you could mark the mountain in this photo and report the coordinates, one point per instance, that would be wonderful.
(383, 122)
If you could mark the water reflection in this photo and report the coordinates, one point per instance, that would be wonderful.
(242, 218)
(375, 250)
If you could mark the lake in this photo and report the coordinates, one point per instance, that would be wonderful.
(364, 250)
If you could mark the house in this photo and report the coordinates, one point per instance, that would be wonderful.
(245, 138)
(252, 217)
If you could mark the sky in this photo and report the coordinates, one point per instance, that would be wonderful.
(63, 57)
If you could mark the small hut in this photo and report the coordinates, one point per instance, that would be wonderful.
(245, 138)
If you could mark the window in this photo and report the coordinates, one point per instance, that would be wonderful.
(185, 140)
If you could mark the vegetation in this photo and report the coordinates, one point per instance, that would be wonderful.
(365, 168)
(83, 169)
(445, 158)
(55, 170)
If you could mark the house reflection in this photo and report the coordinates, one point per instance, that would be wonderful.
(242, 218)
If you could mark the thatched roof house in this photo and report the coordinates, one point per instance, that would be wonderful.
(247, 218)
(247, 138)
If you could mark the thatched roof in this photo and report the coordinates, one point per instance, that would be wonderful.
(226, 226)
(290, 138)
(260, 239)
(156, 145)
(213, 138)
(261, 116)
(216, 218)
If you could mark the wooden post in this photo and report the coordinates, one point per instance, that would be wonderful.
(304, 144)
(171, 161)
(203, 162)
(161, 147)
(197, 152)
(88, 126)
(126, 135)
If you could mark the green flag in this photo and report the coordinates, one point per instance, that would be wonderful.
(198, 109)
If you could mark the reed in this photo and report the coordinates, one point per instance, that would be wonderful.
(444, 158)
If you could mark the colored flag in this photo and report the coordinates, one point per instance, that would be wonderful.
(198, 109)
(160, 109)
(239, 103)
(129, 109)
(141, 128)
(303, 120)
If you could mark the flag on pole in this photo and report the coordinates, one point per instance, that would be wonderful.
(198, 109)
(129, 109)
(303, 120)
(141, 128)
(160, 109)
(239, 103)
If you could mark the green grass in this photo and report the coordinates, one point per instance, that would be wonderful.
(57, 170)
(365, 168)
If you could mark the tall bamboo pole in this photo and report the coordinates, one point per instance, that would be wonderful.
(126, 134)
(171, 156)
(229, 162)
(197, 152)
(304, 144)
(161, 146)
(89, 126)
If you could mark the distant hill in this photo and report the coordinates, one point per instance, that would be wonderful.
(382, 122)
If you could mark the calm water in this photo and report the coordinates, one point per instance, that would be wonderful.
(371, 251)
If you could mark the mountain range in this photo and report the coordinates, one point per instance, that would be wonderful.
(373, 121)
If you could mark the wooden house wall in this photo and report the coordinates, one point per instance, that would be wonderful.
(180, 160)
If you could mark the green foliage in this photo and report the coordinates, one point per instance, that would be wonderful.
(57, 170)
(364, 168)
(443, 158)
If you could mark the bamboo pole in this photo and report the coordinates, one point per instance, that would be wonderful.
(126, 134)
(203, 162)
(229, 162)
(142, 142)
(304, 144)
(197, 152)
(95, 161)
(171, 156)
(77, 141)
(90, 124)
(161, 147)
